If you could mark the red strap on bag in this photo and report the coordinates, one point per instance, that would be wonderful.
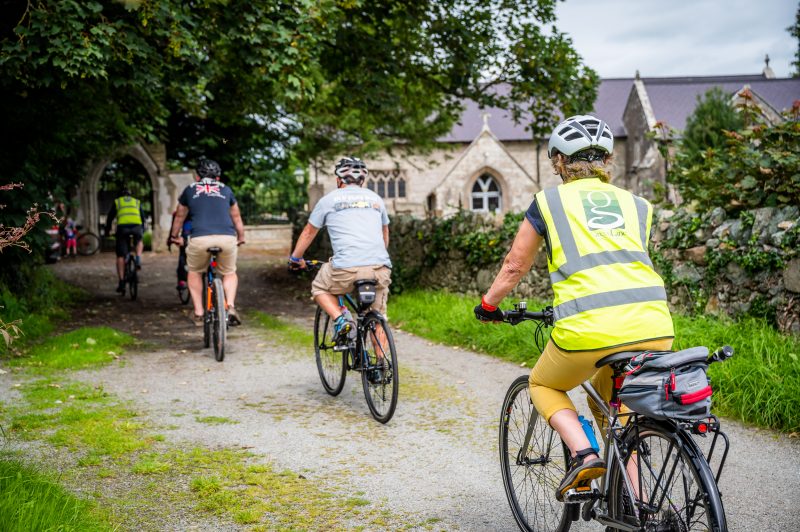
(699, 395)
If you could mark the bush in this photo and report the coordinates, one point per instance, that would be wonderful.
(758, 166)
(35, 305)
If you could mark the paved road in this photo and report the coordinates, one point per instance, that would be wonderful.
(436, 459)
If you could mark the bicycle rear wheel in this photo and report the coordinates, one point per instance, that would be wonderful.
(532, 472)
(332, 365)
(219, 320)
(88, 244)
(132, 277)
(380, 376)
(678, 491)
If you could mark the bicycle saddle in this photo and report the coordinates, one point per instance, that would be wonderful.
(214, 250)
(613, 358)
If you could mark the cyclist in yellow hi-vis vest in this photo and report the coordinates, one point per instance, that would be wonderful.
(130, 222)
(608, 297)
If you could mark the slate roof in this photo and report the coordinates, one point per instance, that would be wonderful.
(672, 99)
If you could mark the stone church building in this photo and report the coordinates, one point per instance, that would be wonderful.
(490, 164)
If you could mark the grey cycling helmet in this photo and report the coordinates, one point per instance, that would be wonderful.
(208, 169)
(578, 133)
(351, 170)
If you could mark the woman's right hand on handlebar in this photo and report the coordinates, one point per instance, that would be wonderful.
(488, 313)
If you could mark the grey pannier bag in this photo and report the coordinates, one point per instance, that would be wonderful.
(668, 384)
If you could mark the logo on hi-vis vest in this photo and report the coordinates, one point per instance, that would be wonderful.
(602, 210)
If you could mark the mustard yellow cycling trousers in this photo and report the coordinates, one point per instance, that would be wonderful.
(558, 371)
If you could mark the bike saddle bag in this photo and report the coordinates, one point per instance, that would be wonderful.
(668, 384)
(365, 293)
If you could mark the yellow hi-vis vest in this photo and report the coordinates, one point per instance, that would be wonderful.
(607, 293)
(128, 212)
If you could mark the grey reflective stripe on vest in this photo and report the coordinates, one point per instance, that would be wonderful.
(575, 263)
(641, 210)
(609, 299)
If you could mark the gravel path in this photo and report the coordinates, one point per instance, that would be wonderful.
(436, 459)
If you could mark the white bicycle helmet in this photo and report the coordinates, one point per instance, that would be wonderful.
(578, 133)
(351, 170)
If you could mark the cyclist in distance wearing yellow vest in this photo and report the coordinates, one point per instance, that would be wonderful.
(608, 297)
(130, 221)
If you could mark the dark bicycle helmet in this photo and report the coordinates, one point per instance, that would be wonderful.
(208, 169)
(581, 133)
(351, 170)
(126, 191)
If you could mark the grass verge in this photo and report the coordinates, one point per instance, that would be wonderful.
(759, 385)
(38, 306)
(30, 500)
(82, 348)
(283, 332)
(448, 318)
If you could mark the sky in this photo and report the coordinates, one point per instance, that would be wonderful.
(680, 37)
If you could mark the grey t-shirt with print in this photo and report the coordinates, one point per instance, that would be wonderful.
(355, 218)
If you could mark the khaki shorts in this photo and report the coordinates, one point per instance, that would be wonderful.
(339, 281)
(197, 257)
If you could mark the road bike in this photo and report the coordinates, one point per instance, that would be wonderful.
(371, 351)
(131, 273)
(658, 477)
(215, 309)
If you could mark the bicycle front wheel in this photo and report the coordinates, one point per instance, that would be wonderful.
(207, 316)
(380, 376)
(87, 244)
(133, 278)
(673, 487)
(533, 461)
(331, 364)
(219, 320)
(183, 294)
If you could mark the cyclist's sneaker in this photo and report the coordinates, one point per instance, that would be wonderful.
(197, 320)
(375, 375)
(581, 472)
(138, 260)
(233, 317)
(341, 328)
(121, 287)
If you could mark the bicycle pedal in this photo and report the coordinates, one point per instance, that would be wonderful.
(580, 494)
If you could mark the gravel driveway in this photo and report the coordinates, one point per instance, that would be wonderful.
(436, 459)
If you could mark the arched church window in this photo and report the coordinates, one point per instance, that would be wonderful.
(388, 183)
(486, 194)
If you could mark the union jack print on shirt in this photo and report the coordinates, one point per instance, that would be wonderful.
(209, 189)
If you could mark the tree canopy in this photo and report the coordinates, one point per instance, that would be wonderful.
(262, 86)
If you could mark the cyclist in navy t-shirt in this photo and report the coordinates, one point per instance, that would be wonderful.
(216, 222)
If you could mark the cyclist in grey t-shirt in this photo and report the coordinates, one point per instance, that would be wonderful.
(358, 226)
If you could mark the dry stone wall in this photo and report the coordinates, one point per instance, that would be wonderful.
(711, 262)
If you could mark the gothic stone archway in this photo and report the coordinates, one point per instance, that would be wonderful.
(166, 187)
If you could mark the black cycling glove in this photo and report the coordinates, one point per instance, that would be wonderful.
(487, 312)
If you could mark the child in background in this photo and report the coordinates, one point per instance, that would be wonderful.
(71, 236)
